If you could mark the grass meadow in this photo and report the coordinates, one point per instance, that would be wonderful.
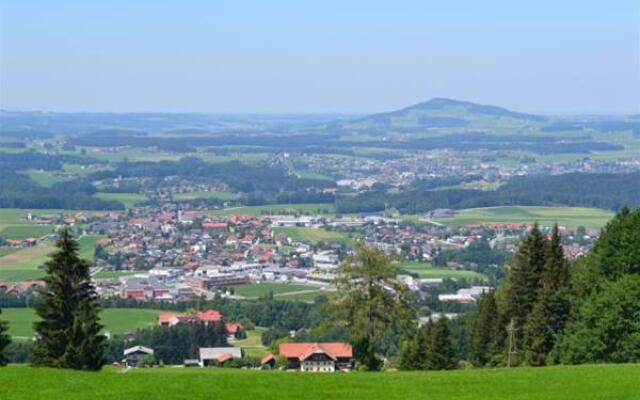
(115, 320)
(589, 382)
(426, 270)
(315, 235)
(570, 217)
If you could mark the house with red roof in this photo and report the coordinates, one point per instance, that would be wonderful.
(318, 357)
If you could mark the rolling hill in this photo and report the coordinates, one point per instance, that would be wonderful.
(444, 115)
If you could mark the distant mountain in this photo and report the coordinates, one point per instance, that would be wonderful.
(440, 114)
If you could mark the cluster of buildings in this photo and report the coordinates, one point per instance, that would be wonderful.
(305, 357)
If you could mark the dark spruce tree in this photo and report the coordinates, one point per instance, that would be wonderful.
(521, 288)
(413, 351)
(551, 309)
(5, 340)
(67, 336)
(485, 331)
(441, 353)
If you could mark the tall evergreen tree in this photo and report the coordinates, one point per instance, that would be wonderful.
(523, 283)
(67, 336)
(441, 353)
(485, 331)
(413, 352)
(551, 310)
(5, 340)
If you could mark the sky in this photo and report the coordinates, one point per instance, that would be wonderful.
(348, 56)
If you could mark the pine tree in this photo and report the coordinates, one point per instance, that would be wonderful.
(440, 351)
(485, 331)
(551, 310)
(68, 332)
(5, 340)
(523, 283)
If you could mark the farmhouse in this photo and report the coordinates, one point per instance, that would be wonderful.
(218, 355)
(318, 357)
(134, 356)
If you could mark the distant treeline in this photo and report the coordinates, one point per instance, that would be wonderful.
(331, 143)
(19, 191)
(33, 160)
(608, 191)
(239, 177)
(599, 125)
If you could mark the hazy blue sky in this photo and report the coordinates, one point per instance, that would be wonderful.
(551, 56)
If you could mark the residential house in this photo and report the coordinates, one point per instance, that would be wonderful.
(318, 357)
(134, 356)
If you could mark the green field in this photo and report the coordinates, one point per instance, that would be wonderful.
(128, 199)
(426, 270)
(7, 250)
(274, 209)
(206, 195)
(592, 382)
(21, 232)
(24, 264)
(315, 235)
(252, 346)
(115, 320)
(571, 217)
(46, 178)
(256, 290)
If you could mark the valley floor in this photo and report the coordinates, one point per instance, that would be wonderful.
(610, 382)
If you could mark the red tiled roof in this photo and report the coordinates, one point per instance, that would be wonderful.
(234, 327)
(224, 357)
(267, 358)
(209, 316)
(302, 351)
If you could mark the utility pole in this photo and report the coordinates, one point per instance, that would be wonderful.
(512, 350)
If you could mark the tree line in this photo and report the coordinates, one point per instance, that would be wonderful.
(607, 191)
(550, 312)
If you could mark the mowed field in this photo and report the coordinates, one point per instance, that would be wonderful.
(115, 320)
(14, 225)
(426, 270)
(283, 291)
(591, 382)
(315, 235)
(275, 209)
(128, 199)
(570, 217)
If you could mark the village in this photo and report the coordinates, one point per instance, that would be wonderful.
(169, 254)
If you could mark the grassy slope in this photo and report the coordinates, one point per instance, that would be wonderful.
(425, 270)
(584, 382)
(128, 199)
(565, 216)
(260, 289)
(252, 345)
(315, 235)
(115, 320)
(23, 264)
